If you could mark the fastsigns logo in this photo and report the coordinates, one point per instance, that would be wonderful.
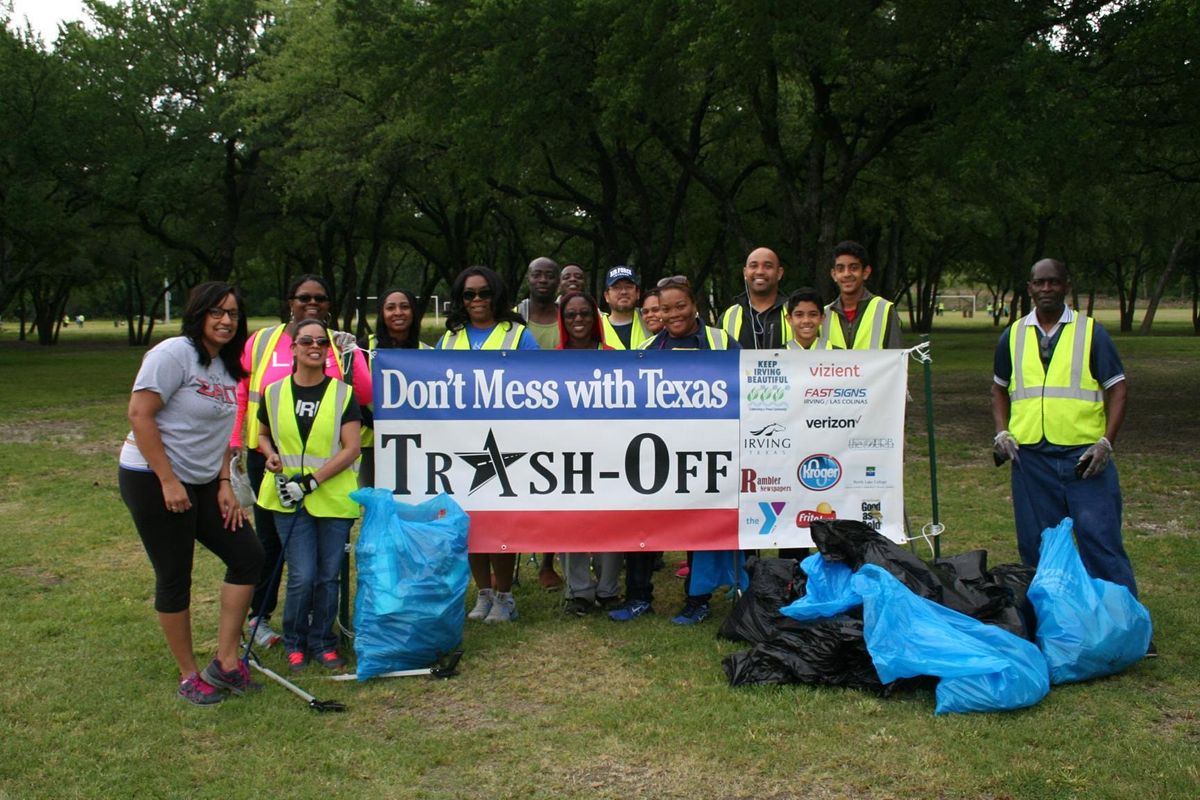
(819, 472)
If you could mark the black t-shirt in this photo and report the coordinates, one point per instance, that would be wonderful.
(308, 402)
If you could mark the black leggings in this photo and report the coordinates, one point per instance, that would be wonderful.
(170, 538)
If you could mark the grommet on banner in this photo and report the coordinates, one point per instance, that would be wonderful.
(503, 548)
(642, 545)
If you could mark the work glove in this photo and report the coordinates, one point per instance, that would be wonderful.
(1004, 448)
(1094, 459)
(292, 490)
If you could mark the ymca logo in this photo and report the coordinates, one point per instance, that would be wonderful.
(819, 472)
(771, 514)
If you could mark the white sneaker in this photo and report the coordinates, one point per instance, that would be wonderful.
(483, 605)
(504, 608)
(264, 637)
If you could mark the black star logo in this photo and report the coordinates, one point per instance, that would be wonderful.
(490, 463)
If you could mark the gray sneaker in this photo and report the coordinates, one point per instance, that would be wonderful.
(504, 608)
(264, 636)
(483, 605)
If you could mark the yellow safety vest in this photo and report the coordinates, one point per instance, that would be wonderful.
(498, 339)
(872, 326)
(731, 322)
(717, 339)
(332, 498)
(639, 334)
(262, 345)
(820, 343)
(368, 433)
(1063, 404)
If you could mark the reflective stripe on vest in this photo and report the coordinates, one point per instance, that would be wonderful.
(332, 497)
(870, 322)
(819, 343)
(639, 334)
(1063, 404)
(496, 340)
(717, 339)
(731, 322)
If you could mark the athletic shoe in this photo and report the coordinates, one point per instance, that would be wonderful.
(297, 661)
(264, 637)
(236, 680)
(504, 608)
(692, 614)
(483, 605)
(631, 610)
(579, 606)
(683, 571)
(330, 660)
(549, 579)
(196, 691)
(609, 603)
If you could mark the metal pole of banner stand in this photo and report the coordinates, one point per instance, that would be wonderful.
(927, 363)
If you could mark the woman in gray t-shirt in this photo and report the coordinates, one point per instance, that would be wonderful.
(174, 478)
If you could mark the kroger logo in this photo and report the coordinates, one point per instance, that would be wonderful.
(819, 472)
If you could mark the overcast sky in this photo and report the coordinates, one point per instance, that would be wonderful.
(44, 15)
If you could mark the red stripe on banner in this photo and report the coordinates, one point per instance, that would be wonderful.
(602, 531)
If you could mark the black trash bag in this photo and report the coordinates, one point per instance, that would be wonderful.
(831, 652)
(991, 602)
(774, 583)
(1016, 578)
(960, 583)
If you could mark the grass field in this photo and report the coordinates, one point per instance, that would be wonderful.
(552, 707)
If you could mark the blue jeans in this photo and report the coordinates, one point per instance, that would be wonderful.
(1045, 490)
(314, 548)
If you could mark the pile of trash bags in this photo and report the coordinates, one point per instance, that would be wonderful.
(864, 612)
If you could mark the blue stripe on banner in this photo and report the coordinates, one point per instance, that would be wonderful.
(555, 385)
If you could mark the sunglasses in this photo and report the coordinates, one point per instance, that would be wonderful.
(570, 315)
(311, 298)
(470, 294)
(218, 313)
(674, 280)
(306, 341)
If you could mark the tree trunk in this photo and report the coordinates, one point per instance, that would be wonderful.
(1159, 288)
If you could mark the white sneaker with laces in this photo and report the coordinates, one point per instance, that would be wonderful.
(264, 637)
(483, 605)
(504, 608)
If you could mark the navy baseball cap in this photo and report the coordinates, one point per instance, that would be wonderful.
(619, 273)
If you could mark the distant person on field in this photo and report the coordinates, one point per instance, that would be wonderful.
(1058, 401)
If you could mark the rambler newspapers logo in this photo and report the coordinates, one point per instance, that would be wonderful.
(767, 387)
(819, 472)
(769, 438)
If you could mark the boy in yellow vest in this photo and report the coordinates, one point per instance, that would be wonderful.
(858, 319)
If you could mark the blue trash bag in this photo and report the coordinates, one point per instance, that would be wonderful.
(409, 607)
(981, 667)
(827, 592)
(713, 568)
(1086, 627)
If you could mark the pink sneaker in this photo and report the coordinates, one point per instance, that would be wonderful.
(683, 572)
(198, 692)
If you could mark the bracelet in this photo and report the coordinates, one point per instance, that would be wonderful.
(227, 480)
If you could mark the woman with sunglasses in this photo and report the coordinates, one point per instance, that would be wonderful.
(174, 478)
(397, 326)
(481, 318)
(684, 330)
(266, 359)
(309, 434)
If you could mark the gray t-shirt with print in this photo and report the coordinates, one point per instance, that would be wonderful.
(198, 410)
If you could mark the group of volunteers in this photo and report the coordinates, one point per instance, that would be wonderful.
(296, 398)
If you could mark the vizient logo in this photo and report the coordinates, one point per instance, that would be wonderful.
(771, 512)
(819, 472)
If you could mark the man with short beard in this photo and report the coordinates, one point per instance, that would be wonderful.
(757, 318)
(540, 309)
